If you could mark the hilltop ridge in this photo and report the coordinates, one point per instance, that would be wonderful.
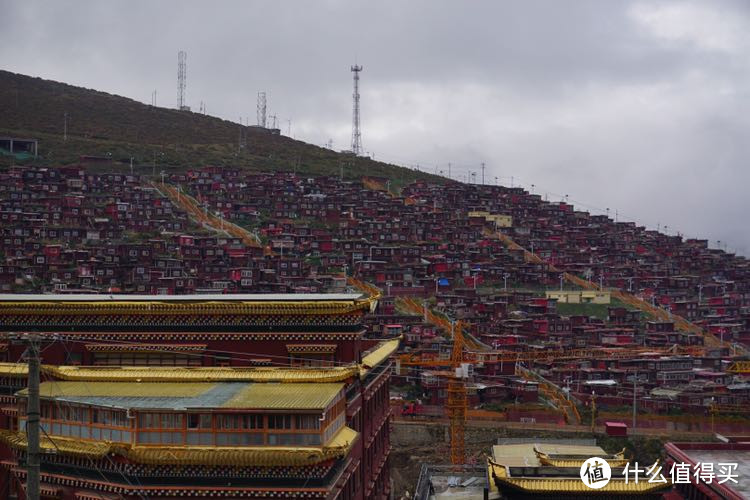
(103, 124)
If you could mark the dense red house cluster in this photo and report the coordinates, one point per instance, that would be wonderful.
(68, 228)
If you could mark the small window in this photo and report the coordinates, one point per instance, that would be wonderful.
(307, 422)
(199, 421)
(253, 421)
(279, 422)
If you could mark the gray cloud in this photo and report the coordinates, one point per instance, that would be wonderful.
(637, 106)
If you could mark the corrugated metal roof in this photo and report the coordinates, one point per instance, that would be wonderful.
(115, 389)
(285, 396)
(193, 395)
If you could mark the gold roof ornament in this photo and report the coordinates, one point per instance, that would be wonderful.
(181, 396)
(500, 479)
(575, 461)
(92, 304)
(198, 374)
(380, 353)
(371, 359)
(246, 456)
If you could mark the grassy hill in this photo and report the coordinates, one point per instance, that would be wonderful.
(103, 124)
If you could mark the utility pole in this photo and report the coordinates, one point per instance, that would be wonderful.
(181, 80)
(713, 409)
(261, 109)
(482, 173)
(32, 419)
(356, 133)
(593, 410)
(635, 381)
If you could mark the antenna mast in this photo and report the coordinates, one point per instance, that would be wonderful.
(261, 109)
(356, 134)
(181, 80)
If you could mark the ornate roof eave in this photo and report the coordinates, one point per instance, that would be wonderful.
(379, 354)
(266, 456)
(141, 348)
(112, 490)
(558, 460)
(199, 374)
(500, 476)
(53, 308)
(370, 360)
(576, 463)
(14, 370)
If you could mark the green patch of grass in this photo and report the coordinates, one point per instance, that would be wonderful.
(596, 310)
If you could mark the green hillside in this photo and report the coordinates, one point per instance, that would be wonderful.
(102, 124)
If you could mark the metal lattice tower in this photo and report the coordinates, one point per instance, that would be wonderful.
(356, 134)
(261, 109)
(181, 78)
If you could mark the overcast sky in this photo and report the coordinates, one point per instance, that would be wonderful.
(639, 106)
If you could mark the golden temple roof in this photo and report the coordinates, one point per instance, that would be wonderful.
(192, 374)
(16, 370)
(380, 353)
(371, 359)
(40, 304)
(270, 456)
(55, 388)
(576, 463)
(576, 459)
(184, 395)
(208, 373)
(528, 454)
(285, 396)
(565, 485)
